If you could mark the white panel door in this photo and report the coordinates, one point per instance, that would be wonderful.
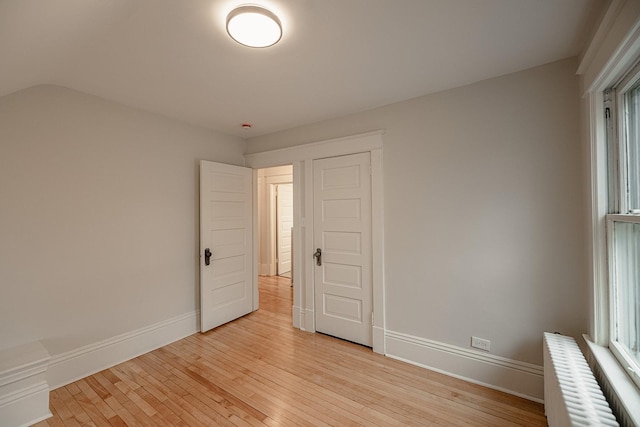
(284, 215)
(342, 234)
(226, 274)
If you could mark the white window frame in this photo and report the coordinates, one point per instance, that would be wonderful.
(609, 75)
(609, 164)
(617, 203)
(628, 82)
(608, 57)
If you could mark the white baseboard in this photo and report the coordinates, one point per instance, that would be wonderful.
(263, 269)
(499, 373)
(298, 317)
(26, 407)
(267, 269)
(84, 361)
(24, 392)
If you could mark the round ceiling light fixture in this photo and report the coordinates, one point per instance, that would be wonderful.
(254, 26)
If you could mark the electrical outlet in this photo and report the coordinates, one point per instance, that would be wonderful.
(481, 343)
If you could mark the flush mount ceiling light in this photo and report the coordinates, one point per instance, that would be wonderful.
(254, 26)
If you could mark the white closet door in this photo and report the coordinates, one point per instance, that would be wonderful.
(342, 236)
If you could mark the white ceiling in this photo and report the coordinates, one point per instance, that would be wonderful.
(336, 57)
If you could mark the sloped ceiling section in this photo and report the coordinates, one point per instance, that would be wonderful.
(336, 56)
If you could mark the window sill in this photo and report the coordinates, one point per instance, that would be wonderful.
(620, 383)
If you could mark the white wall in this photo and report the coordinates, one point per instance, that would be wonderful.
(483, 209)
(98, 217)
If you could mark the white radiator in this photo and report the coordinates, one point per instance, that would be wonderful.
(572, 397)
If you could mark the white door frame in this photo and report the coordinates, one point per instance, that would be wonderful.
(302, 156)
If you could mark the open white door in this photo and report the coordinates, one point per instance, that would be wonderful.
(342, 236)
(284, 216)
(226, 273)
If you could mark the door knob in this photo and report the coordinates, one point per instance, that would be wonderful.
(207, 256)
(318, 256)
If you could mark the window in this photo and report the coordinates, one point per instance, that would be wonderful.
(623, 221)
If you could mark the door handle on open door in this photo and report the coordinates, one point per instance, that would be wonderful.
(207, 256)
(318, 256)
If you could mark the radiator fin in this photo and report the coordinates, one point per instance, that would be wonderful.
(572, 397)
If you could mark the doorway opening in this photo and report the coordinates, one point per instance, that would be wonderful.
(275, 221)
(306, 264)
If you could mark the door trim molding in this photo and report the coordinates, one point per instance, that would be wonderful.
(316, 150)
(301, 156)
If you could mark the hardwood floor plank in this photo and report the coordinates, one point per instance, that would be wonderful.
(175, 388)
(95, 399)
(265, 374)
(343, 376)
(119, 402)
(76, 412)
(289, 395)
(292, 412)
(91, 410)
(259, 371)
(202, 404)
(221, 406)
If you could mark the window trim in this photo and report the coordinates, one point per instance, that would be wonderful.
(599, 208)
(610, 54)
(608, 93)
(609, 74)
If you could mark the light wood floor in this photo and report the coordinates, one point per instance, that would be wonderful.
(258, 370)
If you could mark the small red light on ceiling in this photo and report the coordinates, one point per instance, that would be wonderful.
(246, 126)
